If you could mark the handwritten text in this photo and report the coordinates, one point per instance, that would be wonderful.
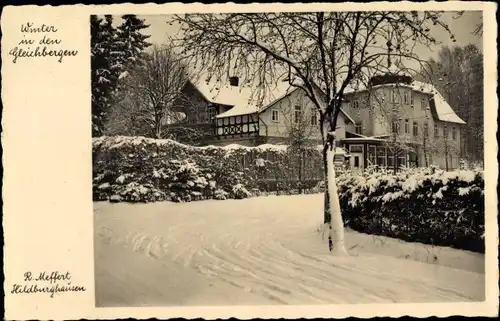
(47, 282)
(39, 41)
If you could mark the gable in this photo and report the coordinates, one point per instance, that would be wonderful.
(342, 112)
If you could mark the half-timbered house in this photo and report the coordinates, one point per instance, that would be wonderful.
(393, 122)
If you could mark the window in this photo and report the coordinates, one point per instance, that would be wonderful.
(314, 119)
(426, 129)
(406, 97)
(355, 103)
(423, 104)
(390, 158)
(415, 128)
(436, 130)
(394, 96)
(371, 155)
(356, 161)
(356, 148)
(412, 100)
(381, 156)
(407, 126)
(358, 128)
(297, 114)
(275, 116)
(453, 133)
(402, 160)
(390, 161)
(395, 127)
(211, 113)
(445, 131)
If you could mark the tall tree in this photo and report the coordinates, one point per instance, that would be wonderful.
(113, 52)
(300, 129)
(132, 37)
(105, 68)
(321, 53)
(153, 100)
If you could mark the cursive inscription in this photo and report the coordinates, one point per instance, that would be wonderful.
(50, 283)
(38, 41)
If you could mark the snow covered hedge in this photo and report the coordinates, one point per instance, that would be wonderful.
(138, 169)
(425, 205)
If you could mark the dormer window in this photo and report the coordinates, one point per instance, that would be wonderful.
(234, 81)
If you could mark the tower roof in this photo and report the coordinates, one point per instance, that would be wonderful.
(390, 75)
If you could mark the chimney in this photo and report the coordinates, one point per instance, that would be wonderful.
(234, 81)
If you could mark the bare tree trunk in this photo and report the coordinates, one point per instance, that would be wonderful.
(157, 124)
(332, 211)
(300, 172)
(327, 216)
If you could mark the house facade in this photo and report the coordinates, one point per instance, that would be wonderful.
(233, 114)
(393, 122)
(401, 122)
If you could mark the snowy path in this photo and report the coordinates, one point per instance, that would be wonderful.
(263, 251)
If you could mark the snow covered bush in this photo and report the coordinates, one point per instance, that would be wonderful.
(185, 173)
(221, 194)
(134, 192)
(425, 205)
(239, 192)
(187, 182)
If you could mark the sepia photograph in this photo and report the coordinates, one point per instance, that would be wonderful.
(287, 158)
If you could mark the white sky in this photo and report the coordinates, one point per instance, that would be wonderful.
(160, 30)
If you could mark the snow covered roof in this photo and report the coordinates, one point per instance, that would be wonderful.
(443, 110)
(373, 138)
(243, 99)
(392, 69)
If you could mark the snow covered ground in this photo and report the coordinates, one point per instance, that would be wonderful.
(264, 250)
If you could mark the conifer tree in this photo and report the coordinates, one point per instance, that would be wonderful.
(133, 41)
(102, 78)
(114, 51)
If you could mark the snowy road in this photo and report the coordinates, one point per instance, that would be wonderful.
(263, 251)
